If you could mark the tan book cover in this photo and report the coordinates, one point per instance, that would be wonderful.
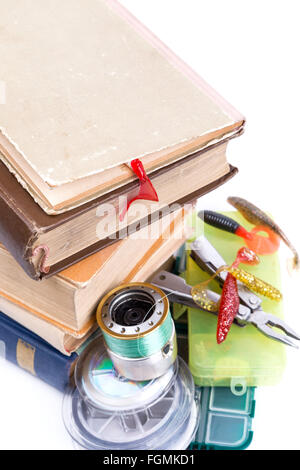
(61, 309)
(87, 89)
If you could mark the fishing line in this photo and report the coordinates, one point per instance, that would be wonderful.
(163, 327)
(138, 330)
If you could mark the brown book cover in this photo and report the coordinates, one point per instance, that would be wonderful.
(22, 221)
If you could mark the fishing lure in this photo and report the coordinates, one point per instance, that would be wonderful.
(245, 256)
(260, 244)
(229, 306)
(255, 284)
(252, 282)
(229, 303)
(146, 189)
(257, 217)
(200, 297)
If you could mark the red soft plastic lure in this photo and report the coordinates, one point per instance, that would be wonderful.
(245, 256)
(229, 306)
(229, 303)
(146, 189)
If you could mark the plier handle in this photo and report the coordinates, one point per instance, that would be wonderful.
(250, 309)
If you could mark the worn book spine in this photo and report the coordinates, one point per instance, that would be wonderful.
(28, 351)
(16, 230)
(22, 221)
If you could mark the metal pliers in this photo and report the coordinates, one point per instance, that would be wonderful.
(250, 310)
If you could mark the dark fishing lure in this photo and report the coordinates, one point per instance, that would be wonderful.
(262, 245)
(256, 216)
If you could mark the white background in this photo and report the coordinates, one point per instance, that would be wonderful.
(249, 52)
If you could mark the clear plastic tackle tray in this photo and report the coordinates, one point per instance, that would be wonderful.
(225, 419)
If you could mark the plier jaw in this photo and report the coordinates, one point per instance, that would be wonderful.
(250, 310)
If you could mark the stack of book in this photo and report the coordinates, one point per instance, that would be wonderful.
(87, 91)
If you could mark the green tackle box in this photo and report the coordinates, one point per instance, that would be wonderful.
(247, 358)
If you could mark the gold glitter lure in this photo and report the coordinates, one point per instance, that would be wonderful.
(200, 297)
(252, 282)
(199, 293)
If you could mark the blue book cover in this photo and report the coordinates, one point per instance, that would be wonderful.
(27, 350)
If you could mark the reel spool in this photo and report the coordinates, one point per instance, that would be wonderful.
(105, 411)
(138, 330)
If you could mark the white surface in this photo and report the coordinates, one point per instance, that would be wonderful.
(249, 52)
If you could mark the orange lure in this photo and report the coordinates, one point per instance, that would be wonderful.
(262, 245)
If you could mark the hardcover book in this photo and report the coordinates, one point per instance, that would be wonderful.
(27, 350)
(61, 310)
(71, 237)
(79, 107)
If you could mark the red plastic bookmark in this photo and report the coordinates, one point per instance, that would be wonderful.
(146, 189)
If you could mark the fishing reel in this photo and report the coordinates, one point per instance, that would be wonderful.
(138, 330)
